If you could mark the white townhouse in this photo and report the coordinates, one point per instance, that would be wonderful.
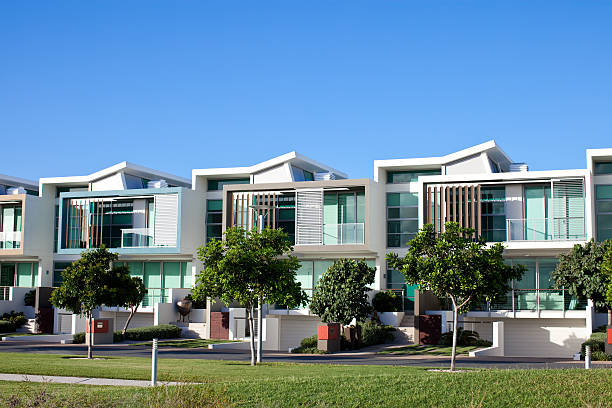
(156, 222)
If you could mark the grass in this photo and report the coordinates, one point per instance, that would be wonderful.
(289, 385)
(184, 343)
(416, 349)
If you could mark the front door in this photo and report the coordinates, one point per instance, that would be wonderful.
(7, 278)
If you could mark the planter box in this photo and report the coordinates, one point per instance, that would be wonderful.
(391, 318)
(197, 316)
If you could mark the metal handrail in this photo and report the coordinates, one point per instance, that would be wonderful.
(140, 237)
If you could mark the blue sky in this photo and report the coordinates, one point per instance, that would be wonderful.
(176, 85)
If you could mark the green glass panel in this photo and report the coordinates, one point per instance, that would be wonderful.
(7, 274)
(214, 205)
(602, 168)
(24, 275)
(172, 275)
(35, 273)
(603, 192)
(409, 212)
(330, 208)
(604, 234)
(393, 240)
(393, 213)
(152, 275)
(545, 268)
(304, 275)
(308, 176)
(396, 177)
(346, 208)
(186, 274)
(214, 218)
(319, 269)
(393, 199)
(57, 279)
(409, 199)
(215, 185)
(604, 221)
(411, 226)
(529, 277)
(360, 207)
(604, 206)
(286, 214)
(393, 227)
(135, 269)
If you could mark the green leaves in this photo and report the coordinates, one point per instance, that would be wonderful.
(341, 293)
(456, 265)
(248, 265)
(586, 272)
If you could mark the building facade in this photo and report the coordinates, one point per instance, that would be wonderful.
(156, 221)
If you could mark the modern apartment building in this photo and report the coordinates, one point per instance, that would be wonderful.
(156, 222)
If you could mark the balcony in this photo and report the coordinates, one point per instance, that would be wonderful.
(546, 229)
(534, 300)
(10, 240)
(138, 238)
(343, 234)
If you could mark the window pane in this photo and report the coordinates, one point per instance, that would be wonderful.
(546, 267)
(186, 274)
(393, 213)
(409, 226)
(393, 240)
(393, 199)
(603, 192)
(602, 168)
(214, 205)
(319, 269)
(136, 269)
(152, 275)
(172, 275)
(215, 185)
(529, 277)
(393, 227)
(407, 199)
(24, 275)
(360, 207)
(304, 274)
(604, 206)
(409, 212)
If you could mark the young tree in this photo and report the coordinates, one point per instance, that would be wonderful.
(452, 264)
(581, 272)
(606, 268)
(341, 294)
(126, 291)
(89, 283)
(250, 267)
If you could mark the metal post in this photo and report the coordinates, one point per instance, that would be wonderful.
(260, 310)
(154, 364)
(587, 357)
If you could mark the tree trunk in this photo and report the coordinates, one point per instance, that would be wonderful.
(89, 345)
(609, 318)
(259, 330)
(454, 352)
(252, 336)
(127, 322)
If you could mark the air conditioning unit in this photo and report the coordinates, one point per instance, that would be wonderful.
(519, 167)
(15, 190)
(324, 176)
(157, 184)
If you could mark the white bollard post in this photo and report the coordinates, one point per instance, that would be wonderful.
(154, 364)
(587, 357)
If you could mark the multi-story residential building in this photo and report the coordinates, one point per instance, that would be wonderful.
(25, 249)
(156, 222)
(152, 220)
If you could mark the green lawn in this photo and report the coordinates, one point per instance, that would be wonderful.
(289, 385)
(416, 349)
(184, 343)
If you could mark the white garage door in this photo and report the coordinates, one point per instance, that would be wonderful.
(293, 330)
(543, 337)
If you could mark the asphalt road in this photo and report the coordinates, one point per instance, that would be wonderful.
(358, 357)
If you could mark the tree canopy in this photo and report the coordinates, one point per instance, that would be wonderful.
(341, 294)
(247, 267)
(453, 264)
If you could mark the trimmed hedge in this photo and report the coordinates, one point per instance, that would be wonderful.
(6, 326)
(163, 331)
(16, 319)
(373, 333)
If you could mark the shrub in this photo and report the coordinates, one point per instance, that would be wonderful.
(17, 319)
(6, 326)
(464, 338)
(29, 299)
(196, 304)
(601, 356)
(597, 341)
(78, 338)
(387, 301)
(308, 346)
(373, 333)
(163, 331)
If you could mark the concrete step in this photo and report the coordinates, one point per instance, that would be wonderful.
(407, 321)
(28, 327)
(404, 335)
(193, 330)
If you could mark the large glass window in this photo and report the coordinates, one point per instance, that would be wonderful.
(493, 213)
(402, 218)
(285, 215)
(216, 185)
(343, 218)
(10, 226)
(399, 177)
(311, 271)
(214, 219)
(397, 283)
(603, 207)
(58, 268)
(158, 277)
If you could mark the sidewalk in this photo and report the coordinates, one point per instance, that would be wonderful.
(81, 380)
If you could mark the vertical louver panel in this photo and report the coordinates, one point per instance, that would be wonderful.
(309, 217)
(568, 209)
(166, 220)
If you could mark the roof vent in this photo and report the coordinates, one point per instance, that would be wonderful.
(15, 190)
(519, 167)
(324, 176)
(157, 184)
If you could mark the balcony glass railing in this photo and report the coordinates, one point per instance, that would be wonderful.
(137, 238)
(545, 229)
(534, 300)
(10, 240)
(5, 293)
(343, 234)
(155, 295)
